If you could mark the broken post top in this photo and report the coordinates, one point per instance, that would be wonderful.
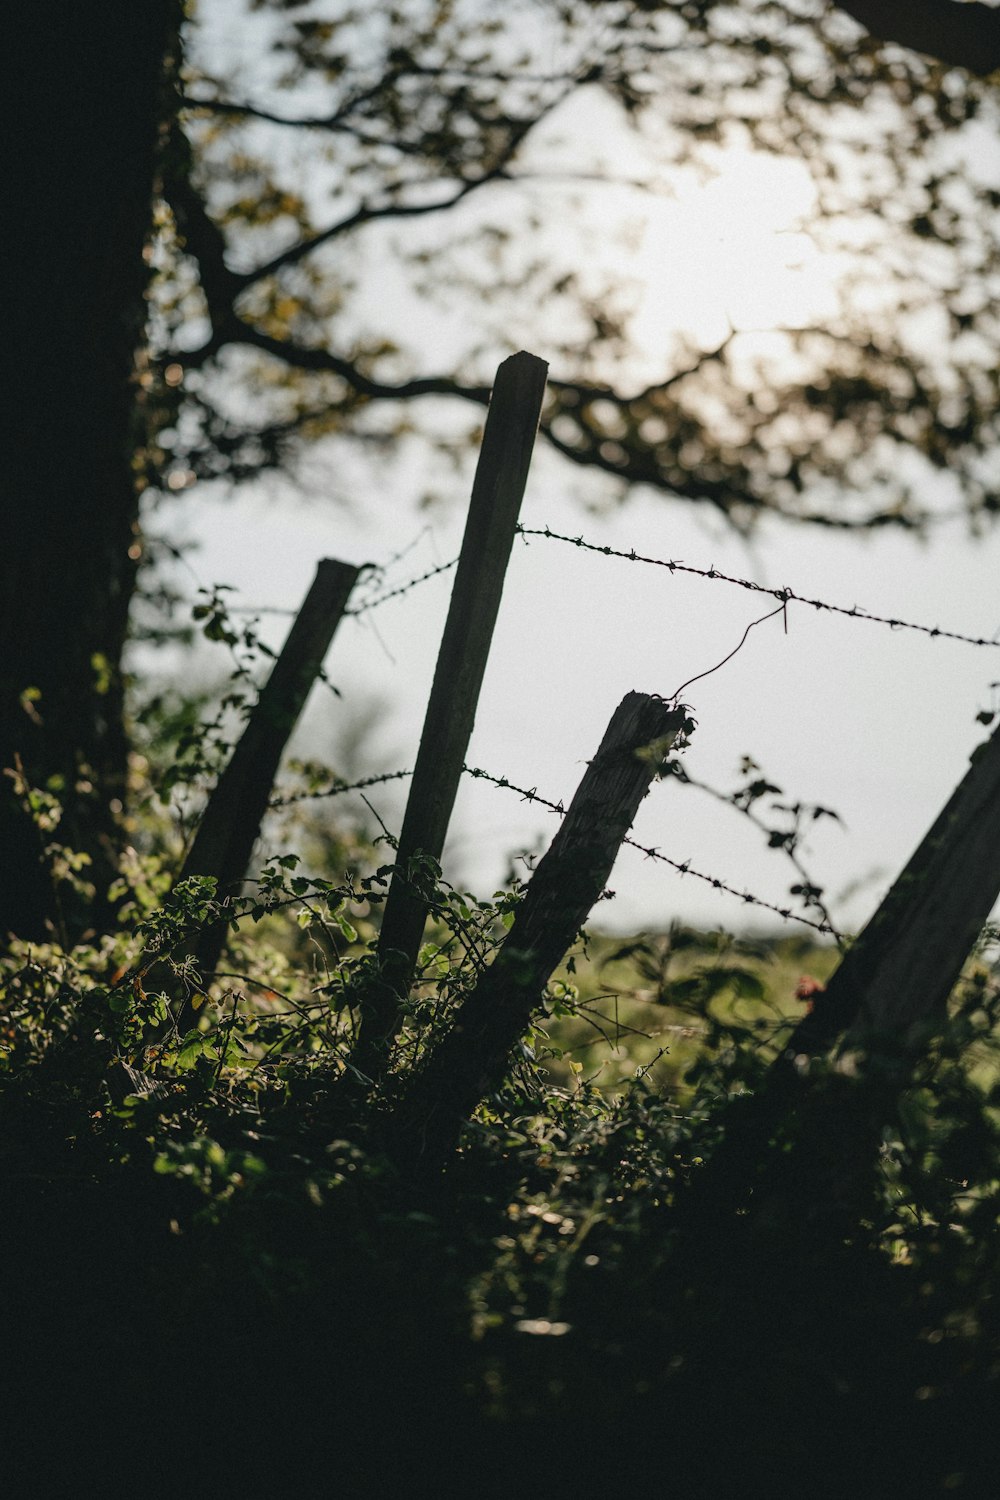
(470, 1059)
(527, 366)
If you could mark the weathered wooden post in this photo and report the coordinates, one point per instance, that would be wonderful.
(891, 985)
(231, 821)
(497, 491)
(472, 1057)
(902, 967)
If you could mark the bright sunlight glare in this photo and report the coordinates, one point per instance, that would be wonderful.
(733, 252)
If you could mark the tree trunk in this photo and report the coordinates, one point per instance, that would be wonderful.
(87, 90)
(966, 35)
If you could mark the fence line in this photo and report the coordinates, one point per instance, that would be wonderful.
(404, 588)
(338, 788)
(501, 472)
(683, 867)
(893, 981)
(784, 596)
(530, 794)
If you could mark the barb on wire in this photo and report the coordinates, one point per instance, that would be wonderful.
(683, 867)
(785, 596)
(338, 788)
(404, 588)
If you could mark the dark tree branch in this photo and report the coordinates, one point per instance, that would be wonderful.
(966, 35)
(339, 119)
(243, 452)
(356, 101)
(202, 237)
(642, 468)
(189, 204)
(337, 122)
(206, 242)
(363, 215)
(726, 494)
(585, 392)
(323, 362)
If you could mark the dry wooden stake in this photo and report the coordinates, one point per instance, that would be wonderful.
(903, 966)
(891, 985)
(231, 821)
(501, 475)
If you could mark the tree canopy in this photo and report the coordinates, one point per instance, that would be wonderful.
(453, 140)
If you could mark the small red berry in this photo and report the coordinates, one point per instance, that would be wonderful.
(808, 989)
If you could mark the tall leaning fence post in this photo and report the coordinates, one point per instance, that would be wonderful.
(893, 982)
(501, 475)
(230, 824)
(471, 1058)
(906, 962)
(902, 967)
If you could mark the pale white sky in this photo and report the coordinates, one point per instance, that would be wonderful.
(874, 723)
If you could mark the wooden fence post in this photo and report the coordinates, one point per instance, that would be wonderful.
(471, 1058)
(501, 475)
(902, 967)
(895, 978)
(231, 821)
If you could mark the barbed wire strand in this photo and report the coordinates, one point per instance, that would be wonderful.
(785, 596)
(789, 849)
(338, 789)
(683, 867)
(359, 609)
(404, 588)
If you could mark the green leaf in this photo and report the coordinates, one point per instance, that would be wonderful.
(193, 1050)
(350, 932)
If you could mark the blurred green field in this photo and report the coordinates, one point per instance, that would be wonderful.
(647, 1004)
